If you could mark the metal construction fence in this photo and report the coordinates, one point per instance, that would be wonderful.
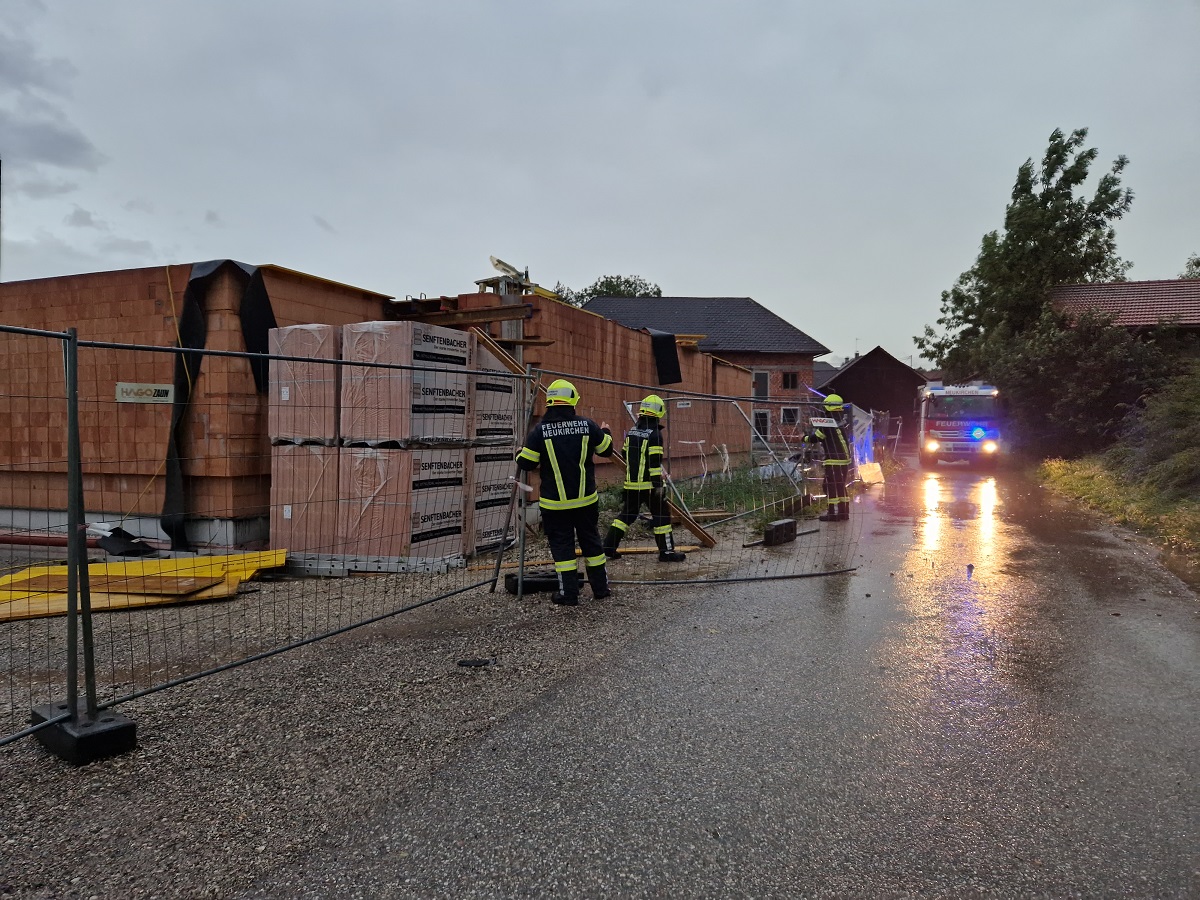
(170, 513)
(155, 532)
(729, 479)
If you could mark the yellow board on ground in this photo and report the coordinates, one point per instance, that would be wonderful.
(42, 590)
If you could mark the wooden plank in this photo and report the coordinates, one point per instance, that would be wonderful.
(37, 606)
(517, 369)
(474, 316)
(172, 585)
(499, 352)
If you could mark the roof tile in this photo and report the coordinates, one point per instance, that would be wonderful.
(1134, 304)
(731, 324)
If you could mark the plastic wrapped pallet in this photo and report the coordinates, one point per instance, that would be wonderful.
(401, 503)
(425, 405)
(490, 471)
(304, 396)
(304, 498)
(497, 401)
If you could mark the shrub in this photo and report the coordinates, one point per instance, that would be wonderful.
(1163, 437)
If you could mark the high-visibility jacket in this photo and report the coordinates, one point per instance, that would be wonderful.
(833, 442)
(561, 445)
(643, 455)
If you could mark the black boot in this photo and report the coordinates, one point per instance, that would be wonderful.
(666, 549)
(598, 578)
(611, 541)
(568, 589)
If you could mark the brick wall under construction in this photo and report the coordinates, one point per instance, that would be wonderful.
(223, 442)
(586, 345)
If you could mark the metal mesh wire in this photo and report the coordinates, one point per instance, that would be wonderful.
(388, 482)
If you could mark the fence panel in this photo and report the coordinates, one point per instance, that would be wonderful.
(193, 465)
(33, 519)
(734, 465)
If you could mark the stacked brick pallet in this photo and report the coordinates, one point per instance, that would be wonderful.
(395, 454)
(497, 430)
(302, 422)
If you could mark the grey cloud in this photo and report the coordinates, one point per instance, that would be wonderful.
(46, 139)
(81, 218)
(22, 70)
(40, 188)
(33, 130)
(764, 149)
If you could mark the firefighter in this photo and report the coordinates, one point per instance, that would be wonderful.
(562, 445)
(837, 460)
(644, 483)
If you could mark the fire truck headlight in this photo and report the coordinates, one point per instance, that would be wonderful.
(990, 447)
(930, 446)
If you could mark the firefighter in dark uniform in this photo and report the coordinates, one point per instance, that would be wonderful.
(837, 460)
(561, 445)
(644, 483)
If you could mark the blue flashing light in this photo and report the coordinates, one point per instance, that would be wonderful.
(978, 433)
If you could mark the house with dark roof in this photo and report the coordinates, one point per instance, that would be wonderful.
(822, 372)
(1135, 305)
(738, 330)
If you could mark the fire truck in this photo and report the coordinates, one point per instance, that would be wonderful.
(960, 422)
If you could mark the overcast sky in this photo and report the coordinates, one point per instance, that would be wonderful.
(837, 162)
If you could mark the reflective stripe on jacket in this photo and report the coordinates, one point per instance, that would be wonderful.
(833, 442)
(561, 445)
(643, 456)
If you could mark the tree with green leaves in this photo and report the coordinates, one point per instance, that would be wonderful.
(1068, 390)
(1053, 234)
(609, 286)
(1068, 383)
(1192, 269)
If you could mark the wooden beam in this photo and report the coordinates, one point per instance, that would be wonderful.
(482, 315)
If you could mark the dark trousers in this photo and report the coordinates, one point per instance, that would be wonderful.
(633, 501)
(835, 481)
(562, 527)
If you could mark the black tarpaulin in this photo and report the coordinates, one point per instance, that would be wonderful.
(666, 356)
(257, 318)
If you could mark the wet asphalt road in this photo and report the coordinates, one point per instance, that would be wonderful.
(1028, 727)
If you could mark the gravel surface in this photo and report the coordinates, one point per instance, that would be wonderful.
(240, 774)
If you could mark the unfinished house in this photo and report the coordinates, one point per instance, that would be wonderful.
(174, 446)
(563, 340)
(178, 447)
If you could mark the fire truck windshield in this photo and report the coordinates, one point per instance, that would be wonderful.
(962, 405)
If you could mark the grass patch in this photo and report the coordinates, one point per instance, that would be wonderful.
(1136, 504)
